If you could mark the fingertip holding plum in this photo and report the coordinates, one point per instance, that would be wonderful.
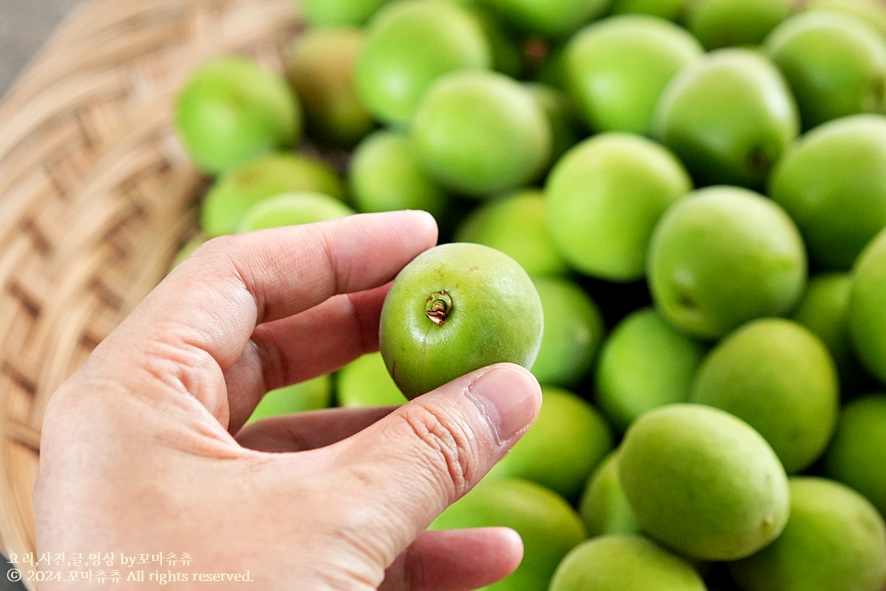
(509, 397)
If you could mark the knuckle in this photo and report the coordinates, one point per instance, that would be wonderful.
(446, 445)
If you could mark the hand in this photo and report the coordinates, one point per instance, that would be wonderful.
(143, 451)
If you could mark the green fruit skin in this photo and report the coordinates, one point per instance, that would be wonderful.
(832, 182)
(233, 109)
(496, 316)
(835, 65)
(241, 187)
(624, 563)
(867, 322)
(834, 539)
(603, 506)
(479, 132)
(516, 224)
(320, 68)
(872, 12)
(573, 331)
(365, 382)
(605, 197)
(780, 378)
(617, 68)
(339, 13)
(738, 149)
(408, 45)
(665, 9)
(857, 452)
(703, 482)
(292, 209)
(560, 451)
(643, 364)
(548, 525)
(729, 23)
(724, 256)
(552, 18)
(313, 394)
(384, 175)
(824, 309)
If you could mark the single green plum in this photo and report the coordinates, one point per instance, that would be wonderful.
(605, 196)
(832, 182)
(728, 117)
(233, 109)
(241, 187)
(320, 68)
(411, 43)
(480, 132)
(835, 65)
(456, 308)
(617, 68)
(723, 256)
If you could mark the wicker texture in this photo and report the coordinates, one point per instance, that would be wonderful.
(97, 195)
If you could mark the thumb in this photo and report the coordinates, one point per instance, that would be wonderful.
(429, 452)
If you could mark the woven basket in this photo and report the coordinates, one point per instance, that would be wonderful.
(96, 194)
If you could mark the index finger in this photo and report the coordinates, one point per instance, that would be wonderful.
(214, 300)
(262, 276)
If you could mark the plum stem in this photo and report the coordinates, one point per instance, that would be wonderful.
(438, 306)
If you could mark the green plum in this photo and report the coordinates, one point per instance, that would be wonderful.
(832, 182)
(365, 381)
(778, 377)
(516, 224)
(408, 45)
(453, 309)
(617, 68)
(605, 196)
(834, 539)
(726, 23)
(232, 109)
(824, 309)
(313, 394)
(872, 12)
(703, 482)
(320, 67)
(562, 448)
(867, 322)
(480, 132)
(339, 13)
(573, 331)
(857, 452)
(384, 175)
(548, 525)
(644, 363)
(728, 117)
(724, 256)
(550, 18)
(292, 209)
(241, 187)
(629, 562)
(835, 65)
(603, 506)
(666, 9)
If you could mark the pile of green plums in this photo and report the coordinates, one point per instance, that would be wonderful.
(672, 211)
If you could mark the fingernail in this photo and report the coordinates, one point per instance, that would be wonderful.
(509, 397)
